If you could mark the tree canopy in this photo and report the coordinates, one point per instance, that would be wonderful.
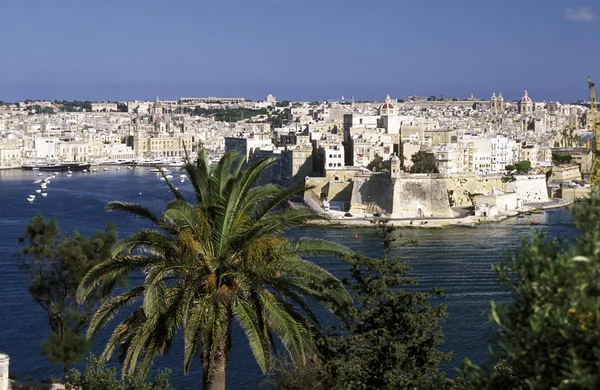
(219, 259)
(521, 167)
(424, 162)
(559, 158)
(548, 336)
(55, 265)
(96, 376)
(378, 164)
(389, 339)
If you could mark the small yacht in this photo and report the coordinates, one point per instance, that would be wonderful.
(44, 194)
(130, 168)
(94, 170)
(105, 169)
(84, 171)
(40, 174)
(43, 186)
(69, 174)
(182, 180)
(56, 173)
(38, 191)
(30, 199)
(118, 168)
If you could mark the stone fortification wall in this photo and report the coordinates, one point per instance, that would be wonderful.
(529, 188)
(320, 185)
(565, 173)
(462, 189)
(421, 196)
(372, 194)
(340, 191)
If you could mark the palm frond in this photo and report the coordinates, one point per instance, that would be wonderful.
(110, 271)
(247, 318)
(110, 307)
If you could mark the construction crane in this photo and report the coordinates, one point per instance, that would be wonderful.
(594, 126)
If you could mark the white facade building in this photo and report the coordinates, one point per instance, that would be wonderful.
(46, 147)
(334, 157)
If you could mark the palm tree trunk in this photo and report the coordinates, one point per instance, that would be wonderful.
(215, 375)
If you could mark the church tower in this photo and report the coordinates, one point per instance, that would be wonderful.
(493, 103)
(389, 120)
(395, 167)
(500, 104)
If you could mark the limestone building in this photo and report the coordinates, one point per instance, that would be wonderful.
(104, 107)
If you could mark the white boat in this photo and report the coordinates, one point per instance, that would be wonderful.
(160, 170)
(84, 171)
(182, 176)
(68, 175)
(30, 199)
(44, 194)
(94, 170)
(105, 169)
(31, 196)
(182, 180)
(130, 168)
(169, 176)
(38, 191)
(40, 174)
(56, 173)
(43, 186)
(118, 168)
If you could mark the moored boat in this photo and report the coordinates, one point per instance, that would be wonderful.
(58, 167)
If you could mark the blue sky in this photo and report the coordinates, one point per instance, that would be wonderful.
(297, 49)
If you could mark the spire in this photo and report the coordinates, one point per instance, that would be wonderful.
(525, 93)
(387, 98)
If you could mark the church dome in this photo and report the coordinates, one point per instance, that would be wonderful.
(387, 104)
(526, 98)
(493, 96)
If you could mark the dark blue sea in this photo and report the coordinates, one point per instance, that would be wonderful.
(456, 259)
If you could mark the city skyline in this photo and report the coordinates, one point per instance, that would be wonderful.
(297, 50)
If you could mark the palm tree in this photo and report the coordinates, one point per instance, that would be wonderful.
(208, 263)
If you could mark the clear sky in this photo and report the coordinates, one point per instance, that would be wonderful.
(297, 49)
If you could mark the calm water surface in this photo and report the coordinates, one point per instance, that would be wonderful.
(456, 259)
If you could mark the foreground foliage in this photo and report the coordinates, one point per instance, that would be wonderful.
(549, 336)
(55, 265)
(388, 340)
(97, 377)
(209, 263)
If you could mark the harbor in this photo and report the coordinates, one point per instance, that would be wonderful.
(456, 259)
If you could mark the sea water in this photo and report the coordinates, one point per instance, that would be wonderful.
(458, 260)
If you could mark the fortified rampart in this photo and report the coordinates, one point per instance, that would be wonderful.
(529, 188)
(424, 195)
(462, 189)
(421, 196)
(408, 196)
